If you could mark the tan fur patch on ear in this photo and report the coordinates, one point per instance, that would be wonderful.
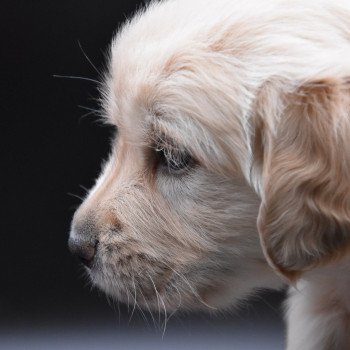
(304, 219)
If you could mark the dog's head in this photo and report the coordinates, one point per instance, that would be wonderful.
(215, 147)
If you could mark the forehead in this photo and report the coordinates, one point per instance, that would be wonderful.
(166, 97)
(165, 80)
(145, 58)
(142, 99)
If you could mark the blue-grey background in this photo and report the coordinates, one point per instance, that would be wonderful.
(47, 150)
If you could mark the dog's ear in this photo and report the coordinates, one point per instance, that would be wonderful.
(304, 219)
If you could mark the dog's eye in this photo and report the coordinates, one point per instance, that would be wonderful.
(174, 162)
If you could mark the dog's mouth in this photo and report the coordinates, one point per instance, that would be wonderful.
(152, 288)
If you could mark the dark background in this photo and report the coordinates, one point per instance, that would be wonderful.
(50, 150)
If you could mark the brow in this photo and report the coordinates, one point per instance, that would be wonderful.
(163, 134)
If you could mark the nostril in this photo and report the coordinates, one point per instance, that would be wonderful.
(84, 251)
(86, 255)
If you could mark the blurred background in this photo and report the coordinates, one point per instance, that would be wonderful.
(52, 146)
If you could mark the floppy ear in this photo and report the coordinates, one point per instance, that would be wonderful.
(304, 218)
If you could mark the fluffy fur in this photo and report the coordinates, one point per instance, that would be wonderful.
(257, 93)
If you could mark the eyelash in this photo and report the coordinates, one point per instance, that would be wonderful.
(174, 162)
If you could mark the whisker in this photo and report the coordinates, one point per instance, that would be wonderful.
(136, 304)
(88, 59)
(133, 309)
(195, 293)
(109, 301)
(118, 306)
(163, 304)
(89, 109)
(179, 304)
(76, 78)
(143, 315)
(112, 303)
(86, 115)
(84, 188)
(148, 308)
(127, 295)
(75, 196)
(157, 295)
(262, 299)
(165, 316)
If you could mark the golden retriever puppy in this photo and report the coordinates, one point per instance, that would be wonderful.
(230, 169)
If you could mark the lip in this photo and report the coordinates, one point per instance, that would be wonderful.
(87, 263)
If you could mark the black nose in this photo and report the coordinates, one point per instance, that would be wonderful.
(84, 251)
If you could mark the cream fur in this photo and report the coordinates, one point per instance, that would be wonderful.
(257, 92)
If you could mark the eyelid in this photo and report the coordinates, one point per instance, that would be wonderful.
(170, 152)
(162, 142)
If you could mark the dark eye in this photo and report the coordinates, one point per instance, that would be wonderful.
(174, 162)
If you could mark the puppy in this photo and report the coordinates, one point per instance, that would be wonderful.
(230, 168)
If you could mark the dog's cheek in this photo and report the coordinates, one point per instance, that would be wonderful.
(221, 208)
(183, 192)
